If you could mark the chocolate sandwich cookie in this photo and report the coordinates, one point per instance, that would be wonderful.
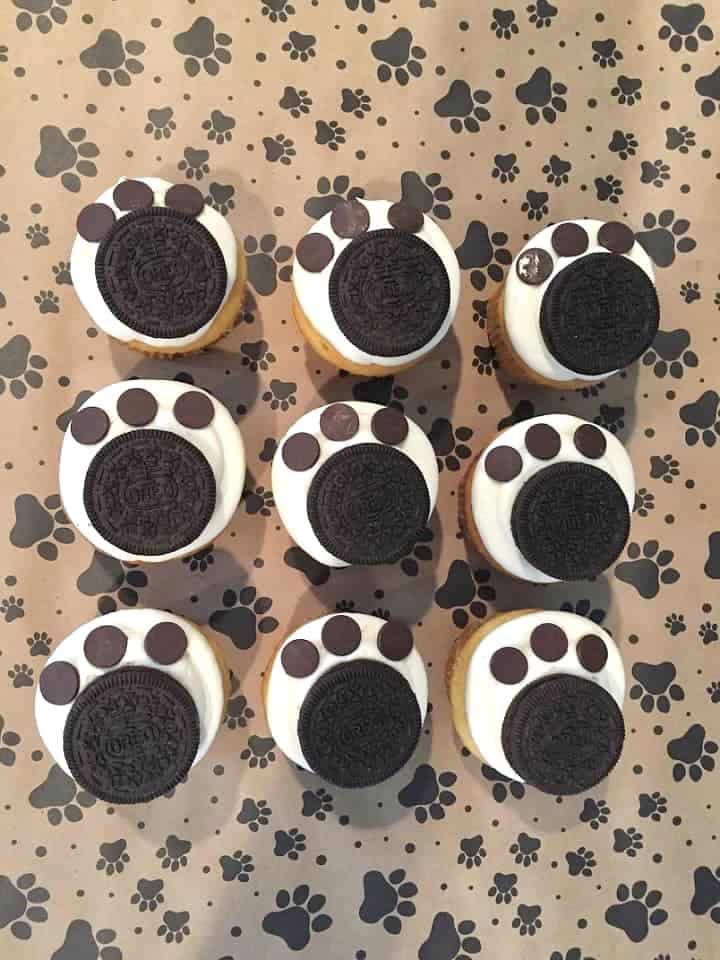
(538, 695)
(346, 697)
(151, 469)
(355, 483)
(129, 702)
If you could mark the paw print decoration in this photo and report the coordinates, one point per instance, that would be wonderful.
(151, 469)
(129, 702)
(346, 697)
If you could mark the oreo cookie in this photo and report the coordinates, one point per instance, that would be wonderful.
(149, 492)
(563, 734)
(570, 520)
(161, 273)
(389, 292)
(368, 503)
(359, 724)
(599, 313)
(131, 735)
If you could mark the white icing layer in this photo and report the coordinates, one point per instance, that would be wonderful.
(522, 302)
(285, 694)
(487, 700)
(197, 670)
(220, 442)
(82, 268)
(313, 289)
(492, 501)
(291, 487)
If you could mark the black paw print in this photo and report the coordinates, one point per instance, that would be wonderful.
(690, 291)
(465, 588)
(257, 355)
(505, 167)
(594, 812)
(655, 686)
(609, 188)
(663, 236)
(535, 205)
(702, 419)
(113, 857)
(200, 561)
(429, 194)
(37, 235)
(219, 127)
(289, 843)
(484, 360)
(480, 312)
(238, 867)
(684, 26)
(636, 911)
(398, 55)
(675, 623)
(708, 632)
(279, 148)
(259, 501)
(708, 86)
(277, 10)
(12, 608)
(110, 53)
(36, 522)
(21, 675)
(692, 753)
(624, 144)
(160, 123)
(33, 13)
(296, 102)
(450, 940)
(174, 853)
(581, 862)
(424, 793)
(464, 107)
(647, 572)
(300, 46)
(666, 467)
(356, 102)
(418, 553)
(202, 44)
(655, 172)
(281, 395)
(606, 53)
(259, 752)
(557, 170)
(367, 5)
(541, 13)
(296, 924)
(627, 841)
(528, 919)
(329, 134)
(627, 90)
(450, 445)
(174, 927)
(388, 899)
(21, 903)
(679, 138)
(194, 163)
(317, 803)
(644, 502)
(330, 194)
(584, 608)
(483, 253)
(381, 612)
(254, 814)
(59, 795)
(541, 94)
(502, 786)
(107, 575)
(611, 418)
(263, 259)
(652, 805)
(61, 269)
(220, 197)
(148, 895)
(39, 644)
(472, 852)
(503, 888)
(525, 849)
(503, 24)
(8, 741)
(244, 614)
(59, 155)
(713, 691)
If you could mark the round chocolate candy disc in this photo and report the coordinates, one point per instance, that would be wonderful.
(89, 425)
(137, 407)
(105, 646)
(59, 683)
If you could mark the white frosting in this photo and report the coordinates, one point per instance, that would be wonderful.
(285, 694)
(220, 442)
(82, 268)
(492, 501)
(313, 289)
(291, 487)
(197, 670)
(487, 700)
(522, 302)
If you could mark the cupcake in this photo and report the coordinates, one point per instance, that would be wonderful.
(151, 469)
(538, 696)
(549, 499)
(129, 702)
(346, 698)
(355, 483)
(156, 268)
(578, 304)
(376, 286)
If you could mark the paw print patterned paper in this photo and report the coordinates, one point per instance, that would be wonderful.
(496, 119)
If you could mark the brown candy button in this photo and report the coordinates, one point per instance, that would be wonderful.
(105, 646)
(548, 642)
(166, 643)
(349, 219)
(59, 683)
(339, 422)
(314, 252)
(185, 199)
(503, 464)
(542, 441)
(194, 410)
(133, 195)
(300, 451)
(616, 237)
(341, 635)
(299, 658)
(395, 640)
(137, 407)
(94, 221)
(590, 441)
(89, 425)
(389, 426)
(592, 652)
(508, 665)
(534, 266)
(569, 240)
(405, 217)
